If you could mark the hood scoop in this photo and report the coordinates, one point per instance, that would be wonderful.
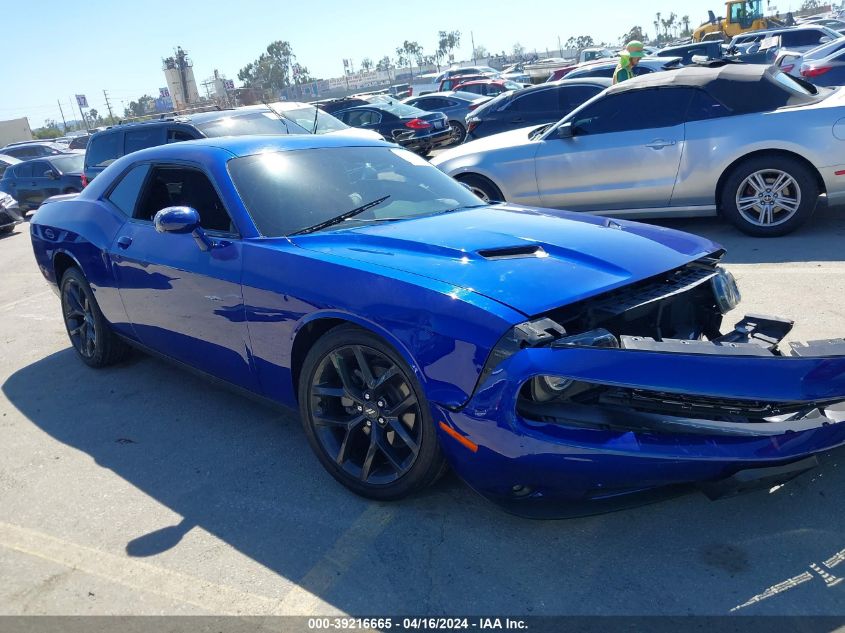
(514, 252)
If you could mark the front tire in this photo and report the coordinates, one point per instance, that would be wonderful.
(366, 416)
(482, 187)
(89, 332)
(769, 196)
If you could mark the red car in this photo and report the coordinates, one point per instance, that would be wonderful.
(488, 87)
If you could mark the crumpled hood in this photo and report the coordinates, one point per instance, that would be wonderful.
(560, 257)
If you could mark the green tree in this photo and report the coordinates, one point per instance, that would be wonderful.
(809, 5)
(636, 33)
(447, 42)
(384, 64)
(580, 43)
(94, 118)
(144, 105)
(408, 53)
(481, 52)
(274, 70)
(49, 130)
(518, 50)
(687, 31)
(367, 64)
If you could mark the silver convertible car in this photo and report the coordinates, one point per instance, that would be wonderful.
(747, 141)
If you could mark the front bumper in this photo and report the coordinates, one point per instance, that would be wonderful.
(589, 461)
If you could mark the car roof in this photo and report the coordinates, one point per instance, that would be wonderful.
(30, 143)
(10, 160)
(237, 146)
(471, 96)
(741, 87)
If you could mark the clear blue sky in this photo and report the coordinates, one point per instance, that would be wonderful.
(61, 48)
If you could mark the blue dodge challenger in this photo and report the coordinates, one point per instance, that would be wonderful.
(560, 363)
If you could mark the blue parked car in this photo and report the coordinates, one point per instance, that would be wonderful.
(560, 363)
(33, 181)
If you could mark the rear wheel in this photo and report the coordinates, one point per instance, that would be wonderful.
(459, 132)
(482, 187)
(769, 196)
(366, 416)
(87, 328)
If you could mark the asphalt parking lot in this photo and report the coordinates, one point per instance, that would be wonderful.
(144, 490)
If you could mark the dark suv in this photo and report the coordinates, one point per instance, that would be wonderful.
(107, 146)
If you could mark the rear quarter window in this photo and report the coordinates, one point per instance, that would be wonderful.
(125, 195)
(103, 150)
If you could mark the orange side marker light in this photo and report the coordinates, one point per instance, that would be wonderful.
(460, 438)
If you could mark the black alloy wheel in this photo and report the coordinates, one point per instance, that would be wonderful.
(366, 417)
(87, 328)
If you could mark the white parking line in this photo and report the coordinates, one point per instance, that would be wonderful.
(142, 576)
(18, 302)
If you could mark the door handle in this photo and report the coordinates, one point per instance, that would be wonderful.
(518, 120)
(660, 144)
(124, 241)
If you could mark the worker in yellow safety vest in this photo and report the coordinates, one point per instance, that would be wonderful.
(628, 60)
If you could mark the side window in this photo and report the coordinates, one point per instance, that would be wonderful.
(39, 167)
(176, 136)
(639, 69)
(476, 88)
(570, 97)
(102, 150)
(360, 118)
(135, 140)
(605, 71)
(537, 101)
(634, 110)
(426, 103)
(703, 107)
(182, 186)
(125, 194)
(23, 171)
(801, 38)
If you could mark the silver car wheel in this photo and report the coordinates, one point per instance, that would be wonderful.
(480, 193)
(768, 197)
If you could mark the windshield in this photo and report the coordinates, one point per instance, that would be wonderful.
(826, 49)
(260, 122)
(304, 116)
(70, 164)
(401, 110)
(286, 192)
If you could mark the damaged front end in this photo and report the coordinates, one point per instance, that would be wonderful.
(620, 398)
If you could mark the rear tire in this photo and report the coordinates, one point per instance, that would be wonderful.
(769, 196)
(459, 132)
(90, 334)
(366, 416)
(482, 187)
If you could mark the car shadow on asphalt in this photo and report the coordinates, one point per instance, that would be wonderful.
(819, 240)
(244, 472)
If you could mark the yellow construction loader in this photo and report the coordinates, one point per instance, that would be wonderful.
(740, 16)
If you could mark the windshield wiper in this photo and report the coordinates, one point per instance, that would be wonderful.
(279, 116)
(341, 218)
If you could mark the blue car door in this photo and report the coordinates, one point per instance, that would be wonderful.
(184, 301)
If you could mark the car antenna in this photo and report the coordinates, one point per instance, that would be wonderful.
(316, 112)
(279, 115)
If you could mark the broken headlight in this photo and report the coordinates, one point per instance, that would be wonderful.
(725, 290)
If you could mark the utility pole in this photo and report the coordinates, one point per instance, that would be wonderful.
(559, 45)
(63, 115)
(472, 39)
(108, 105)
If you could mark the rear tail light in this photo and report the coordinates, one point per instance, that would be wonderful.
(473, 106)
(411, 91)
(472, 124)
(84, 180)
(788, 68)
(814, 71)
(418, 124)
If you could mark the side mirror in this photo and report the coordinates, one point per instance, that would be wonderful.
(565, 130)
(824, 39)
(50, 174)
(182, 220)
